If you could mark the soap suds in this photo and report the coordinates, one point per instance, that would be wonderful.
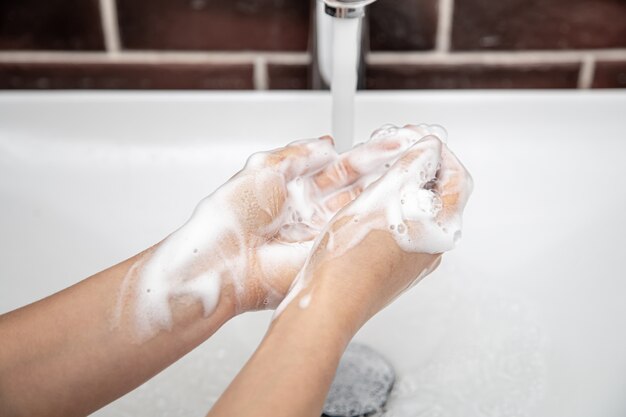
(305, 301)
(264, 220)
(419, 200)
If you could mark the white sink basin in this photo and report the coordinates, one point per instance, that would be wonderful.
(526, 318)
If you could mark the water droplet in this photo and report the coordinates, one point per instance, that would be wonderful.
(457, 236)
(299, 219)
(401, 201)
(401, 228)
(392, 227)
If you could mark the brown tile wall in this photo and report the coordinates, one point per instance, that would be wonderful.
(408, 25)
(538, 24)
(50, 24)
(472, 76)
(258, 25)
(245, 44)
(124, 76)
(610, 75)
(288, 77)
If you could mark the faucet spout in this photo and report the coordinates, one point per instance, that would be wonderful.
(325, 12)
(346, 9)
(338, 60)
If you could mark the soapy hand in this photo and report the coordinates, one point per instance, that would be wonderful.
(251, 237)
(292, 194)
(391, 236)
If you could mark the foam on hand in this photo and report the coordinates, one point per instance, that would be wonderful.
(267, 216)
(419, 200)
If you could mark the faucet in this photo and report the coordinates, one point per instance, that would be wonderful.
(322, 38)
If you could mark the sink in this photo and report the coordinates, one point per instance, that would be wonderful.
(525, 318)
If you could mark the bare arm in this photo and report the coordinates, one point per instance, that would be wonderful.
(79, 349)
(292, 369)
(66, 356)
(345, 281)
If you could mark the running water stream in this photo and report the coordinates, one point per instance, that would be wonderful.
(345, 54)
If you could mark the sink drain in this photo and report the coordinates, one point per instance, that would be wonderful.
(361, 385)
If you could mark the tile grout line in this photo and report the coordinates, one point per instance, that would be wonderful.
(110, 27)
(587, 71)
(500, 57)
(261, 79)
(303, 58)
(155, 57)
(444, 26)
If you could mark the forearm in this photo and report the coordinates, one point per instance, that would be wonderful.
(69, 355)
(292, 369)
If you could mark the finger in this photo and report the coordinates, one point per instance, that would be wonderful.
(341, 198)
(363, 159)
(297, 158)
(422, 159)
(375, 156)
(454, 185)
(424, 130)
(297, 232)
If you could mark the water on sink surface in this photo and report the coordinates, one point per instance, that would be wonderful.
(471, 372)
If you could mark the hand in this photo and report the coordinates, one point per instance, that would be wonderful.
(251, 237)
(389, 237)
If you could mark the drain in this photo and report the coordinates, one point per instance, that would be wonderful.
(361, 385)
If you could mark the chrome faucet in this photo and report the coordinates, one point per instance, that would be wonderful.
(322, 38)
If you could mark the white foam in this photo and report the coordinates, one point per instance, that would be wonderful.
(407, 202)
(246, 219)
(305, 301)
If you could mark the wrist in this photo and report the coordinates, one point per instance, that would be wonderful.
(328, 306)
(348, 304)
